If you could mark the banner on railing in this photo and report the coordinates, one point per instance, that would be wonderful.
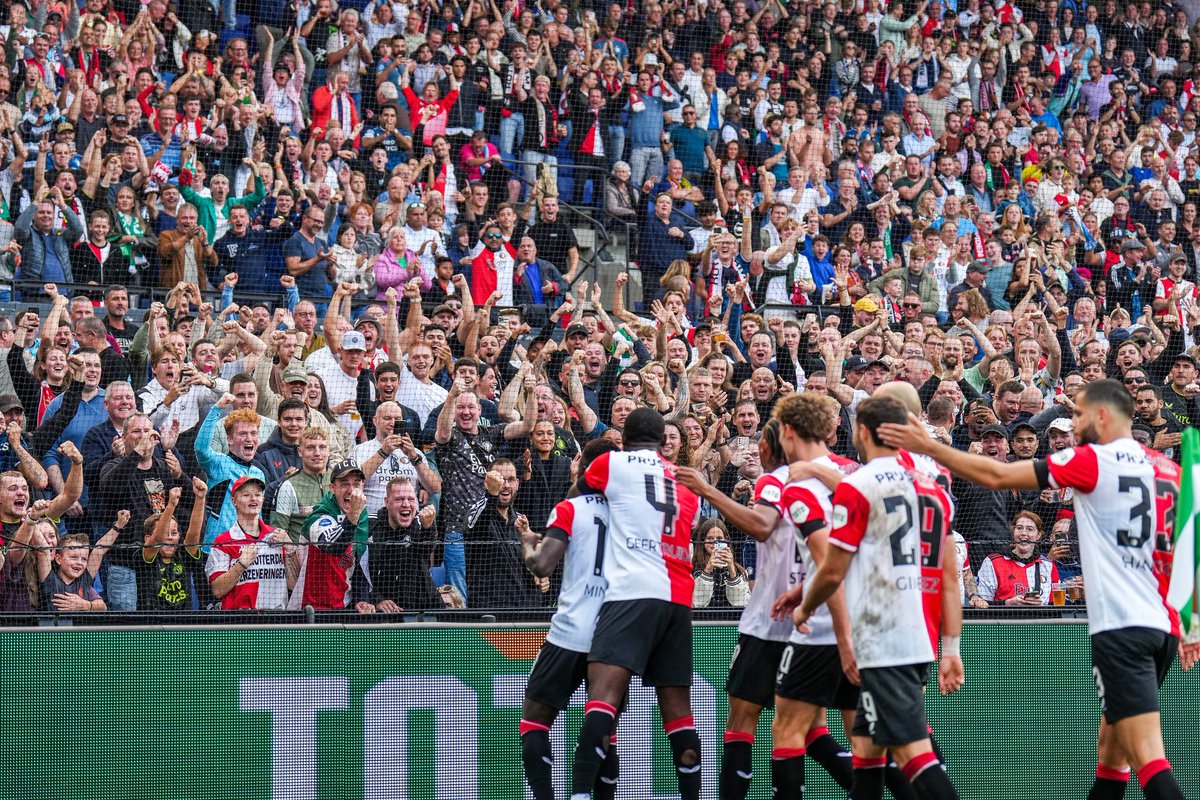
(309, 713)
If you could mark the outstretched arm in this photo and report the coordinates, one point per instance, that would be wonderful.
(986, 472)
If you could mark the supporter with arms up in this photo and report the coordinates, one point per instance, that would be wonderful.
(576, 529)
(68, 587)
(465, 452)
(166, 568)
(1124, 505)
(878, 515)
(644, 626)
(18, 524)
(241, 430)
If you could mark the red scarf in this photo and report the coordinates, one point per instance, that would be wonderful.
(46, 397)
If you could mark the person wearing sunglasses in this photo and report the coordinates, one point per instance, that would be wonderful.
(493, 269)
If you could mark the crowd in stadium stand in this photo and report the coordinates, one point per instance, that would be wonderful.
(366, 344)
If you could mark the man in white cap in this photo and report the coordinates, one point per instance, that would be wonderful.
(341, 380)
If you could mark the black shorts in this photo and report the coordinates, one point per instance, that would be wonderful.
(650, 638)
(556, 674)
(812, 673)
(752, 670)
(891, 704)
(1129, 665)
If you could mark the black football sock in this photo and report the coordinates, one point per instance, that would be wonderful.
(592, 747)
(829, 753)
(868, 778)
(897, 783)
(737, 766)
(1158, 781)
(787, 773)
(1110, 783)
(538, 759)
(685, 748)
(928, 779)
(610, 770)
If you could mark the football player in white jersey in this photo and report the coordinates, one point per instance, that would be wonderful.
(876, 544)
(761, 640)
(1124, 504)
(817, 670)
(644, 626)
(579, 523)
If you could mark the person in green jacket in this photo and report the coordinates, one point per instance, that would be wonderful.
(333, 538)
(916, 278)
(214, 209)
(297, 496)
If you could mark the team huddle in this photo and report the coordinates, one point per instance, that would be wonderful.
(856, 591)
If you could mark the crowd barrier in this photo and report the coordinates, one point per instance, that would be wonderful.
(343, 712)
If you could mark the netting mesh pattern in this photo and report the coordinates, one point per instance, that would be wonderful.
(431, 712)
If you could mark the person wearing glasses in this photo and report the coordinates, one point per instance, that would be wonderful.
(493, 269)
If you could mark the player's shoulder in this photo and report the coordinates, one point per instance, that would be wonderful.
(562, 516)
(844, 465)
(1081, 454)
(770, 485)
(1163, 466)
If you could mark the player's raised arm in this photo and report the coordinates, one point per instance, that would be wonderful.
(758, 521)
(984, 471)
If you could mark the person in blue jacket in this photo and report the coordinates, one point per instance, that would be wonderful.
(220, 469)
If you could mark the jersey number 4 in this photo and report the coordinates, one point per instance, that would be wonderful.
(660, 494)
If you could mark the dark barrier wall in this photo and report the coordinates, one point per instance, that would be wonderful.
(431, 712)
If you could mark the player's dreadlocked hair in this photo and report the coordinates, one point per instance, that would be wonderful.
(811, 416)
(770, 436)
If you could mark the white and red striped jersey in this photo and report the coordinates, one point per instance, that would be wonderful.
(1125, 499)
(1002, 577)
(927, 466)
(262, 585)
(582, 522)
(809, 506)
(876, 516)
(648, 554)
(1187, 298)
(779, 564)
(934, 513)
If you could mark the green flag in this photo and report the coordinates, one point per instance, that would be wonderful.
(1181, 595)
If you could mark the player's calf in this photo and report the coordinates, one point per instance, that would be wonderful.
(1158, 781)
(827, 751)
(592, 747)
(685, 749)
(1110, 783)
(538, 759)
(930, 782)
(610, 770)
(737, 766)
